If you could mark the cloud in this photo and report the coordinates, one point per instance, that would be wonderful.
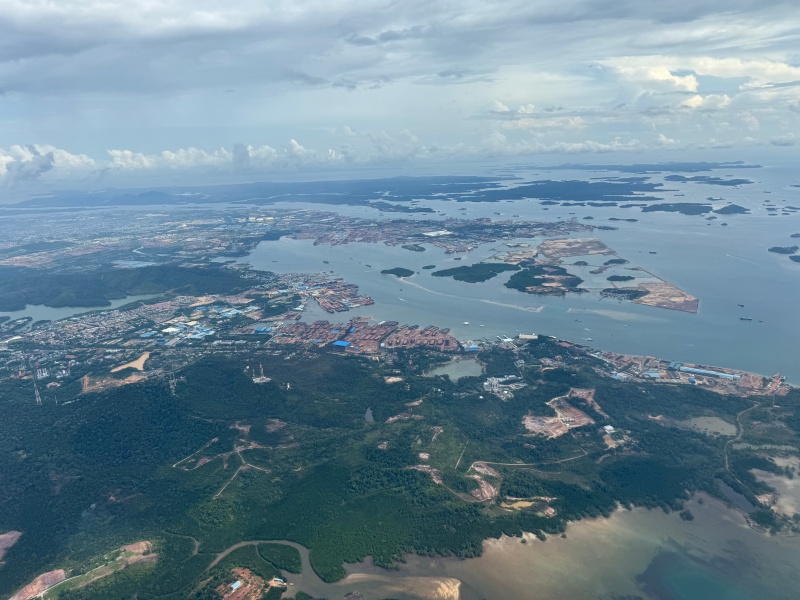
(572, 75)
(709, 102)
(786, 139)
(20, 164)
(656, 77)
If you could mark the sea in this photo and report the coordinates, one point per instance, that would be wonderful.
(724, 262)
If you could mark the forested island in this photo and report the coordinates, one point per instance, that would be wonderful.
(784, 249)
(476, 273)
(398, 272)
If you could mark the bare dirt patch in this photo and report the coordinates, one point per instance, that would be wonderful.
(485, 490)
(98, 385)
(137, 364)
(40, 584)
(587, 395)
(567, 417)
(555, 249)
(245, 429)
(274, 425)
(250, 586)
(666, 295)
(7, 540)
(435, 474)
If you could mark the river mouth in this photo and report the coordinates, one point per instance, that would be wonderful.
(637, 553)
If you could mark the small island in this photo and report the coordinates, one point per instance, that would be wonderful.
(429, 267)
(398, 272)
(413, 247)
(476, 273)
(784, 249)
(547, 280)
(732, 209)
(620, 278)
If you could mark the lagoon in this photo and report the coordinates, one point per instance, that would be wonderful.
(465, 367)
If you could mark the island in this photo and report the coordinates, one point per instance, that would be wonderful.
(784, 249)
(475, 273)
(398, 272)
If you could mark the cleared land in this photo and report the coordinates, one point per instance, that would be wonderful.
(666, 295)
(137, 364)
(7, 540)
(567, 417)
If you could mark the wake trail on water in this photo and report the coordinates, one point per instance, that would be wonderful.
(533, 309)
(422, 287)
(747, 260)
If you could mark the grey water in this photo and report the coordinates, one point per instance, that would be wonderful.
(39, 312)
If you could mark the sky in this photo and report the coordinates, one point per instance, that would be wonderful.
(98, 92)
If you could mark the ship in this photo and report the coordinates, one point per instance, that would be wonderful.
(745, 318)
(465, 323)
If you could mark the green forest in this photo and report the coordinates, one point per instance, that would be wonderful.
(20, 286)
(224, 460)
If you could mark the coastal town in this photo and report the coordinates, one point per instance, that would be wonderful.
(155, 338)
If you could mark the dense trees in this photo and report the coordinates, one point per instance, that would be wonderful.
(83, 478)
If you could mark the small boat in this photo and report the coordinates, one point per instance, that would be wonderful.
(465, 323)
(745, 318)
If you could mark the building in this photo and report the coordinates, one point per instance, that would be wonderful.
(728, 376)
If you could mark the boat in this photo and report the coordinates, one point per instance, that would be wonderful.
(745, 318)
(465, 323)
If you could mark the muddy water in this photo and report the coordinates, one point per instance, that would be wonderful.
(639, 553)
(788, 490)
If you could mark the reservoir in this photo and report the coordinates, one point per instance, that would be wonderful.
(39, 312)
(465, 367)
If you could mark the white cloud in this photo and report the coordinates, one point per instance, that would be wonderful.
(786, 139)
(527, 123)
(657, 77)
(563, 76)
(499, 107)
(709, 102)
(25, 163)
